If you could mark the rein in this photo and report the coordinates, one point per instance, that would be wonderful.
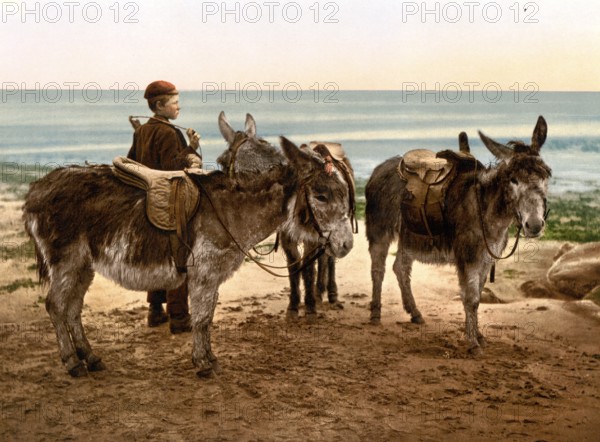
(485, 241)
(311, 257)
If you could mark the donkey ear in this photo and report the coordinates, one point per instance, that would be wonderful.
(463, 142)
(539, 134)
(500, 151)
(250, 126)
(225, 128)
(298, 157)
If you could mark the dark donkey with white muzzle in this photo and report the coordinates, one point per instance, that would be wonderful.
(84, 219)
(301, 230)
(478, 207)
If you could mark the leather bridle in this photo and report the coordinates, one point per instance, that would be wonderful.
(304, 262)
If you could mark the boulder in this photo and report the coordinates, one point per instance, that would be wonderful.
(489, 297)
(576, 271)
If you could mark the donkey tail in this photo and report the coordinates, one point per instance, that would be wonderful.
(42, 267)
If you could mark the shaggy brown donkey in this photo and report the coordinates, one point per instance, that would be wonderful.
(84, 219)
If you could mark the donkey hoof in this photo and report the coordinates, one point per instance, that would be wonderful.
(292, 314)
(78, 370)
(311, 311)
(418, 319)
(205, 373)
(482, 341)
(96, 365)
(375, 320)
(475, 351)
(336, 305)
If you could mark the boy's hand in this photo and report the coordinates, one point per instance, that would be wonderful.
(194, 161)
(135, 123)
(194, 138)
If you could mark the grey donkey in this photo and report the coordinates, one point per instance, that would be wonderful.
(84, 219)
(513, 190)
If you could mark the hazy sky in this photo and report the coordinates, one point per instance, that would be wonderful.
(554, 45)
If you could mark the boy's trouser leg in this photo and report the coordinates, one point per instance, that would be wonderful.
(156, 314)
(157, 297)
(178, 310)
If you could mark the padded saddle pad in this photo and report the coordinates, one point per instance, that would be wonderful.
(426, 165)
(463, 161)
(169, 194)
(339, 155)
(427, 177)
(335, 149)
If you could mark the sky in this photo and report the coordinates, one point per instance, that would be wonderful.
(547, 45)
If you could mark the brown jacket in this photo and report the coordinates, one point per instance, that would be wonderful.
(161, 146)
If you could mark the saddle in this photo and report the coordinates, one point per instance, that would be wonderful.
(334, 149)
(428, 176)
(172, 199)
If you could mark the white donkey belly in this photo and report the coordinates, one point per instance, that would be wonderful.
(113, 265)
(433, 256)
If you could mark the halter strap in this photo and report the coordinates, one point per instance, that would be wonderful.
(240, 138)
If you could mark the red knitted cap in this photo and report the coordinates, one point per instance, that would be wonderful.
(161, 87)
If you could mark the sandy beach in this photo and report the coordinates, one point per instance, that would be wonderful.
(334, 377)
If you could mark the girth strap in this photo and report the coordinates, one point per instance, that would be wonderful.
(180, 236)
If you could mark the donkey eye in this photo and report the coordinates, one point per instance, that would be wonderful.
(321, 198)
(514, 181)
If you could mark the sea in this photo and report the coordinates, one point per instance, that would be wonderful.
(45, 128)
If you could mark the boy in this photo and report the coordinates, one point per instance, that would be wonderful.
(159, 145)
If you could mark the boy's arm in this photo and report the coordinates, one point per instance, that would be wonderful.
(173, 152)
(131, 154)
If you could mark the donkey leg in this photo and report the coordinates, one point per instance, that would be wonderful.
(292, 255)
(403, 269)
(308, 275)
(332, 290)
(82, 345)
(203, 300)
(378, 251)
(322, 276)
(482, 280)
(57, 305)
(470, 284)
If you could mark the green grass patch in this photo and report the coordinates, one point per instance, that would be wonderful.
(17, 174)
(361, 202)
(510, 273)
(16, 177)
(574, 217)
(27, 283)
(23, 251)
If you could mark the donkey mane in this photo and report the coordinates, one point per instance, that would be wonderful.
(528, 163)
(255, 167)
